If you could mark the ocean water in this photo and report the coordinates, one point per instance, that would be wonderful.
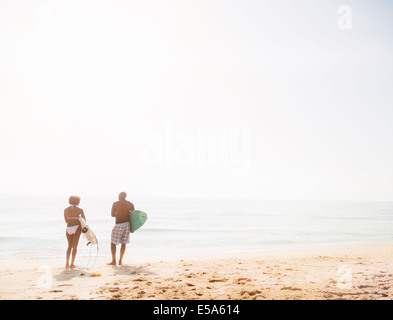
(34, 227)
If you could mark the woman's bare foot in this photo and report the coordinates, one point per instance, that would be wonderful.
(112, 263)
(72, 266)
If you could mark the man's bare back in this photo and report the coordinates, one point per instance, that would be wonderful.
(121, 210)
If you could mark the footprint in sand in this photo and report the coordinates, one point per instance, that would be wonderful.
(244, 279)
(291, 288)
(218, 280)
(65, 285)
(253, 292)
(139, 279)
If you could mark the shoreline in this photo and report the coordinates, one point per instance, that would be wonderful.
(172, 257)
(356, 272)
(203, 255)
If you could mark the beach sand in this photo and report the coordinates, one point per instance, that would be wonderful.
(341, 273)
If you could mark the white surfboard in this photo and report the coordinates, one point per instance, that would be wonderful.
(88, 234)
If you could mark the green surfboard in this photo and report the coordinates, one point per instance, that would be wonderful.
(138, 218)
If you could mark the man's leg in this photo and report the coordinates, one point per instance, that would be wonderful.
(125, 238)
(114, 239)
(113, 252)
(122, 250)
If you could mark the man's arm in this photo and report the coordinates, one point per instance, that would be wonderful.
(132, 208)
(113, 213)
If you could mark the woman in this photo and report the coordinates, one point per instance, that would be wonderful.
(73, 230)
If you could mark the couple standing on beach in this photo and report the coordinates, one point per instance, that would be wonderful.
(120, 232)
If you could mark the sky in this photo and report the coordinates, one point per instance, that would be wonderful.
(232, 99)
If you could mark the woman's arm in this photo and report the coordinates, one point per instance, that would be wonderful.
(65, 215)
(83, 215)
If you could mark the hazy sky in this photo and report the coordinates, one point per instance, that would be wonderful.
(217, 98)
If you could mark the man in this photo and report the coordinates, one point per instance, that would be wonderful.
(121, 230)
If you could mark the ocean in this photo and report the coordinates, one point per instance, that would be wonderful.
(34, 227)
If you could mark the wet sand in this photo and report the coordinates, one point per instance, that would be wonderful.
(343, 273)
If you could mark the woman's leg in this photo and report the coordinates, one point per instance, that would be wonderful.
(68, 253)
(75, 242)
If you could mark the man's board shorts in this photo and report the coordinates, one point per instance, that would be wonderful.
(121, 233)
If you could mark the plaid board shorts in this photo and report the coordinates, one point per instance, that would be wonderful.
(121, 233)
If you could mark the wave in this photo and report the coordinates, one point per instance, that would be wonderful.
(201, 229)
(219, 225)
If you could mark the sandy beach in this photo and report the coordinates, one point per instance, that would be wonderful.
(343, 273)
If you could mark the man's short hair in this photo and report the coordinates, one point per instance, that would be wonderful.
(74, 200)
(122, 195)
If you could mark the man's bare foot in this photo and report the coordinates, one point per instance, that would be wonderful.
(72, 266)
(112, 263)
(120, 263)
(67, 266)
